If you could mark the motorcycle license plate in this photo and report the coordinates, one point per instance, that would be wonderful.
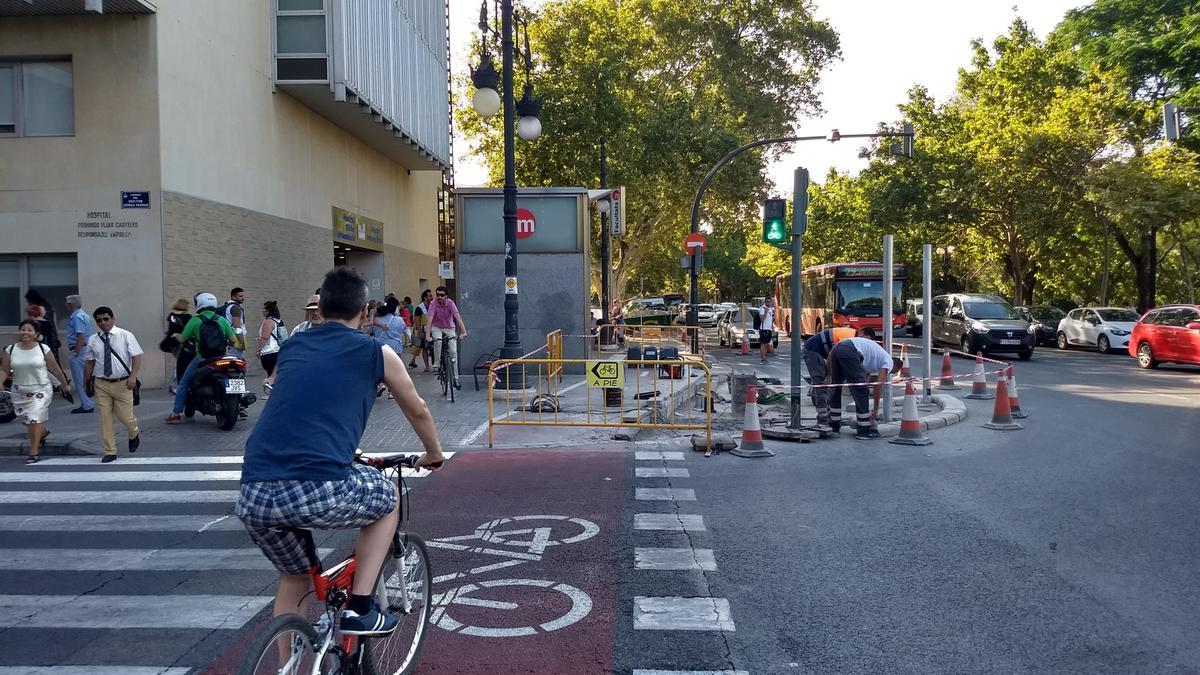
(1010, 342)
(235, 386)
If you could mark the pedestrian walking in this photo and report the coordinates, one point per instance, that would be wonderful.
(236, 316)
(42, 311)
(420, 323)
(29, 363)
(271, 336)
(816, 359)
(311, 316)
(405, 312)
(79, 330)
(113, 359)
(177, 319)
(852, 360)
(766, 330)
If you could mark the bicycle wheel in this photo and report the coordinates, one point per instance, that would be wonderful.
(284, 647)
(397, 654)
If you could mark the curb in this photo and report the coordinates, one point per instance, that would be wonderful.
(64, 444)
(953, 412)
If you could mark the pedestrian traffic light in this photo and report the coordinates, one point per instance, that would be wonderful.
(775, 229)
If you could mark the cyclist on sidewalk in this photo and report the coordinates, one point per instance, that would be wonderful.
(298, 470)
(443, 315)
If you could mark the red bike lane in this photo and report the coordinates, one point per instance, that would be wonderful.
(524, 551)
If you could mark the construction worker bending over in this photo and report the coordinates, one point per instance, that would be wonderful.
(852, 360)
(816, 359)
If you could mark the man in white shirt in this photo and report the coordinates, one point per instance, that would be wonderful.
(766, 330)
(236, 316)
(852, 360)
(113, 359)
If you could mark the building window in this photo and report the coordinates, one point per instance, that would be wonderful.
(54, 276)
(37, 98)
(301, 35)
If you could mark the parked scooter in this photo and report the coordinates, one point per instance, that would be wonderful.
(219, 389)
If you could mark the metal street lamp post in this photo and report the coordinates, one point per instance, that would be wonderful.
(486, 103)
(605, 236)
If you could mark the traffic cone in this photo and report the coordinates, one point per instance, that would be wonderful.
(752, 442)
(979, 388)
(947, 372)
(910, 421)
(905, 372)
(745, 344)
(1002, 418)
(1014, 402)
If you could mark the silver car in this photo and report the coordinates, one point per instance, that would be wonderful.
(729, 328)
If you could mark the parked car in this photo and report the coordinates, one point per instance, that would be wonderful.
(729, 328)
(980, 323)
(915, 317)
(1045, 318)
(1105, 328)
(706, 315)
(1167, 334)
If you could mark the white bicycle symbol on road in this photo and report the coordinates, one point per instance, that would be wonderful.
(518, 540)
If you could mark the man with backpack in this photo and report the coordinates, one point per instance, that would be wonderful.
(210, 334)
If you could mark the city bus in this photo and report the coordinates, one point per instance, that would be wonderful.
(841, 294)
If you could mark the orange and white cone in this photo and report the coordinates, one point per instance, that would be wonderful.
(905, 372)
(910, 421)
(947, 381)
(1014, 402)
(752, 440)
(979, 388)
(745, 343)
(1002, 418)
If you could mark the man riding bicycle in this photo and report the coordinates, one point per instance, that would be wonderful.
(299, 470)
(443, 315)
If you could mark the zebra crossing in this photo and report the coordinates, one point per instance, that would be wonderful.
(144, 552)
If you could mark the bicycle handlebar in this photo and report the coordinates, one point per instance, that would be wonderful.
(394, 461)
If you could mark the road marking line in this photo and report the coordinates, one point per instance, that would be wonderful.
(133, 559)
(642, 671)
(91, 461)
(682, 614)
(677, 522)
(648, 472)
(117, 476)
(665, 494)
(657, 455)
(118, 523)
(121, 497)
(674, 559)
(129, 611)
(92, 670)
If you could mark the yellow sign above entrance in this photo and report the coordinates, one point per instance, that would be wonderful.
(605, 374)
(355, 230)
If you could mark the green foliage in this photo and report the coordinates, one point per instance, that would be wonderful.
(673, 85)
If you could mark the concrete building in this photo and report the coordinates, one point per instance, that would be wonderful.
(154, 149)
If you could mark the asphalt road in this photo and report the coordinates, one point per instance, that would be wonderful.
(1068, 546)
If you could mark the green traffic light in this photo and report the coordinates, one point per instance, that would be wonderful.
(775, 233)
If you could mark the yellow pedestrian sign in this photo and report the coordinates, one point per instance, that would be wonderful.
(605, 374)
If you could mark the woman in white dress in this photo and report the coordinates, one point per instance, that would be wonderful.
(30, 364)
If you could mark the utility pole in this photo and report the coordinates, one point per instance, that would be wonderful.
(605, 236)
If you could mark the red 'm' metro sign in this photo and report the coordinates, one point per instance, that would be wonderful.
(526, 223)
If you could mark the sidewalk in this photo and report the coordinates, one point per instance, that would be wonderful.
(387, 429)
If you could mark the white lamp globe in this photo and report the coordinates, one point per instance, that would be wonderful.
(486, 102)
(529, 128)
(602, 206)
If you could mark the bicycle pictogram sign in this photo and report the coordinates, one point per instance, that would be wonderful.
(516, 540)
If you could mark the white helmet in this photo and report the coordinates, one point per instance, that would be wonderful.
(204, 300)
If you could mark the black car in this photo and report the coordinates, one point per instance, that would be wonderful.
(1045, 319)
(980, 323)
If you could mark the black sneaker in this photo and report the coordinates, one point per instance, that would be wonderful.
(108, 458)
(866, 433)
(836, 426)
(373, 623)
(134, 443)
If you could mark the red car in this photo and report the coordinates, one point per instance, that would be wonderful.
(1167, 334)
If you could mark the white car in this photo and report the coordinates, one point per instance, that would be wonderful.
(1105, 328)
(729, 328)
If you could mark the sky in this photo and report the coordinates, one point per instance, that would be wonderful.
(887, 46)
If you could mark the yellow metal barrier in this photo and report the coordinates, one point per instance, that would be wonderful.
(553, 405)
(554, 351)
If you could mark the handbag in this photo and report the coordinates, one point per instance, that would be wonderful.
(137, 383)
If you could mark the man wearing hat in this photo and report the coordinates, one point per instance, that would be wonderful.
(311, 318)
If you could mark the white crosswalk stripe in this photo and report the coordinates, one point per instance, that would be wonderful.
(143, 525)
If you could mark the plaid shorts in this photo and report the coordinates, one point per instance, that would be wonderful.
(365, 496)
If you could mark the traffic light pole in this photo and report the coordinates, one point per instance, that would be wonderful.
(694, 295)
(799, 225)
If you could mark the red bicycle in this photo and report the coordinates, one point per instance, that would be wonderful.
(294, 645)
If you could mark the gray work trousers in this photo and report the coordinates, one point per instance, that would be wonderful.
(815, 363)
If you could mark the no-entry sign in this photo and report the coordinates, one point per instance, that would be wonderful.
(693, 240)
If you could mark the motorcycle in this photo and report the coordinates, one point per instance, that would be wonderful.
(219, 389)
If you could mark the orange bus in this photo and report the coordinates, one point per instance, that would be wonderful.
(841, 294)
